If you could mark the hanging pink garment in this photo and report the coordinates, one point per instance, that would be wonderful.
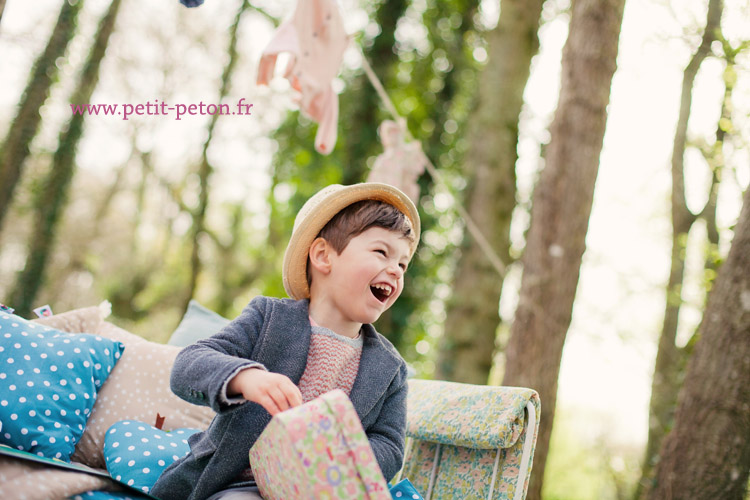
(316, 40)
(401, 163)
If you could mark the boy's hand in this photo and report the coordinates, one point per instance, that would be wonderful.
(273, 391)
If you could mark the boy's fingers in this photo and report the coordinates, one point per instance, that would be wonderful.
(268, 403)
(279, 398)
(293, 395)
(279, 394)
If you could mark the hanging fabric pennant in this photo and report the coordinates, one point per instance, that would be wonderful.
(401, 162)
(316, 40)
(44, 311)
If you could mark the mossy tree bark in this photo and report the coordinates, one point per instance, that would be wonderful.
(707, 454)
(50, 203)
(560, 212)
(24, 127)
(468, 342)
(670, 359)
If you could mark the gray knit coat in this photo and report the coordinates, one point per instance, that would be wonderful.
(275, 333)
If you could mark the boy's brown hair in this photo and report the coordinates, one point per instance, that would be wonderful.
(358, 218)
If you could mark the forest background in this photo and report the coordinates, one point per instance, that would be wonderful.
(151, 212)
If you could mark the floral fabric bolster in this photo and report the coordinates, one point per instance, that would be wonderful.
(495, 416)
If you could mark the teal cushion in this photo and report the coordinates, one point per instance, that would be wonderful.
(108, 495)
(136, 453)
(404, 490)
(48, 384)
(198, 323)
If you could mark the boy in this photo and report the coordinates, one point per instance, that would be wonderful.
(343, 268)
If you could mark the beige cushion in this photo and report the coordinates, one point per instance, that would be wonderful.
(137, 388)
(84, 320)
(22, 480)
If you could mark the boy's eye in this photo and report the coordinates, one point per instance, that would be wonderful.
(380, 251)
(403, 267)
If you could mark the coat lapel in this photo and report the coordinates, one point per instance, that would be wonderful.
(377, 368)
(288, 339)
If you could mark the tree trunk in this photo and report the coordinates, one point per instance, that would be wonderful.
(468, 342)
(670, 360)
(561, 209)
(24, 126)
(205, 169)
(51, 201)
(707, 454)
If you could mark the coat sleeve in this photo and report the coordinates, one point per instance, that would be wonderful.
(201, 370)
(387, 434)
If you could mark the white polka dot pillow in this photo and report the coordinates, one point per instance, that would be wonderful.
(137, 453)
(48, 384)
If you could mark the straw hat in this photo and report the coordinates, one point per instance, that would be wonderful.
(320, 209)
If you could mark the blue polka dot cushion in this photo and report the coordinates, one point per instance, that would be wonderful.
(136, 453)
(404, 490)
(48, 384)
(107, 495)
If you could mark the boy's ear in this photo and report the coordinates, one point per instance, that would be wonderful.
(320, 255)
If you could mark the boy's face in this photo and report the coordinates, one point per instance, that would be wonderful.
(368, 275)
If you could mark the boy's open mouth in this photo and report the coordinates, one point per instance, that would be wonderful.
(381, 291)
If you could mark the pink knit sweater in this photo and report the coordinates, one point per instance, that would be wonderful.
(332, 363)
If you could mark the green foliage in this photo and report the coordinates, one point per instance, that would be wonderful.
(431, 83)
(138, 256)
(431, 79)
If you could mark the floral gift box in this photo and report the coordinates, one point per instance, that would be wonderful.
(318, 450)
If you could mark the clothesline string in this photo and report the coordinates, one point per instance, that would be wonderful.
(473, 228)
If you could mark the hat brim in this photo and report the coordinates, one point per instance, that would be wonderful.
(294, 270)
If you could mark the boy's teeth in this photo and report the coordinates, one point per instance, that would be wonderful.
(386, 288)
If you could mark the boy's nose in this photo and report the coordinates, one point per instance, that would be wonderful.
(395, 270)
